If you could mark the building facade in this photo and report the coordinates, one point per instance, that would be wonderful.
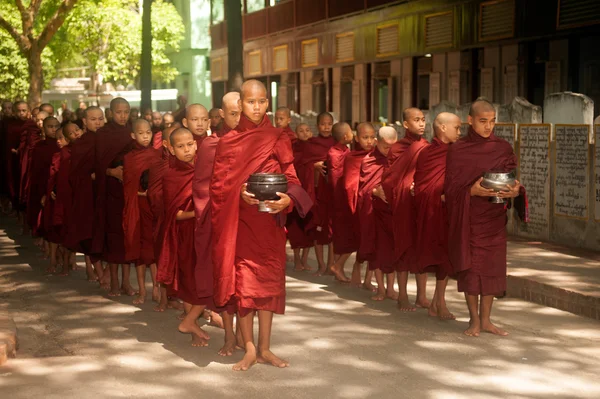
(369, 59)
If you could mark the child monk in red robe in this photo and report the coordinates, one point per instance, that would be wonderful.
(137, 215)
(397, 183)
(196, 121)
(477, 227)
(248, 245)
(301, 241)
(430, 210)
(283, 118)
(113, 141)
(157, 128)
(215, 122)
(314, 181)
(375, 216)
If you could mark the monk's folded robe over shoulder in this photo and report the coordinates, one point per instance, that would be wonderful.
(248, 245)
(113, 141)
(83, 154)
(477, 227)
(345, 221)
(396, 183)
(431, 241)
(41, 160)
(137, 215)
(375, 216)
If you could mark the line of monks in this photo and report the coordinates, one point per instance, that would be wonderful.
(175, 199)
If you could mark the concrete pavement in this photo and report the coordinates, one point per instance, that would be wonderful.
(77, 343)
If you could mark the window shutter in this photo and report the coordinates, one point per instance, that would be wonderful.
(496, 20)
(387, 40)
(439, 30)
(344, 47)
(310, 52)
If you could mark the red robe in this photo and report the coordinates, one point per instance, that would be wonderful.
(83, 153)
(396, 183)
(157, 140)
(62, 205)
(13, 130)
(477, 227)
(249, 246)
(137, 215)
(345, 221)
(431, 241)
(41, 159)
(113, 141)
(155, 197)
(177, 259)
(315, 150)
(297, 226)
(375, 216)
(29, 139)
(291, 134)
(51, 231)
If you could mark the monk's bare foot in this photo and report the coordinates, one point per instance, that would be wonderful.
(247, 361)
(193, 328)
(328, 271)
(422, 303)
(51, 269)
(140, 299)
(433, 310)
(339, 275)
(228, 348)
(474, 329)
(161, 307)
(175, 305)
(355, 281)
(198, 341)
(105, 285)
(378, 297)
(393, 295)
(114, 292)
(492, 329)
(181, 316)
(62, 273)
(307, 267)
(156, 293)
(267, 357)
(320, 272)
(444, 314)
(298, 267)
(216, 320)
(128, 290)
(369, 287)
(404, 305)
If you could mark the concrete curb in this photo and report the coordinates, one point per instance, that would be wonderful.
(8, 338)
(555, 297)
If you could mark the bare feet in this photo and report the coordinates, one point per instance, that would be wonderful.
(378, 297)
(161, 307)
(492, 329)
(474, 328)
(216, 320)
(193, 328)
(393, 295)
(307, 267)
(198, 341)
(228, 348)
(128, 290)
(105, 285)
(440, 311)
(156, 293)
(51, 269)
(298, 267)
(248, 361)
(114, 293)
(320, 272)
(267, 357)
(369, 287)
(422, 303)
(339, 275)
(173, 304)
(140, 299)
(406, 306)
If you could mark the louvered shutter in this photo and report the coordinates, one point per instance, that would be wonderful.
(387, 40)
(439, 30)
(344, 47)
(496, 20)
(310, 52)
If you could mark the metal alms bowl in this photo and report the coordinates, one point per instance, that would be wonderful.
(264, 186)
(497, 181)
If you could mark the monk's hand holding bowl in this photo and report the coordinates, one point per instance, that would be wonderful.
(247, 196)
(279, 205)
(513, 191)
(477, 190)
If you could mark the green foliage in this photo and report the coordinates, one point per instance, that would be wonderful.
(106, 35)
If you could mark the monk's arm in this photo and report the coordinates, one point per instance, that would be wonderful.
(184, 215)
(115, 172)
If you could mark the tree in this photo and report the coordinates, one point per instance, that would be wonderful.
(39, 21)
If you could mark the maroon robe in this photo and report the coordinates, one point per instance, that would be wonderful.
(249, 246)
(156, 174)
(431, 241)
(375, 216)
(396, 183)
(137, 215)
(291, 134)
(51, 231)
(157, 140)
(477, 227)
(29, 139)
(62, 205)
(113, 141)
(41, 160)
(296, 225)
(13, 129)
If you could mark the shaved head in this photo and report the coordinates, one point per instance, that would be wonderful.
(118, 101)
(47, 108)
(446, 127)
(250, 86)
(213, 112)
(480, 106)
(254, 101)
(166, 134)
(285, 110)
(406, 114)
(231, 109)
(91, 109)
(445, 118)
(365, 126)
(387, 133)
(482, 117)
(139, 122)
(180, 131)
(340, 131)
(193, 108)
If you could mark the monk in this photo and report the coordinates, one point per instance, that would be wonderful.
(375, 216)
(134, 114)
(137, 215)
(477, 227)
(283, 118)
(108, 115)
(157, 128)
(34, 113)
(29, 140)
(168, 120)
(314, 181)
(113, 141)
(301, 241)
(248, 245)
(215, 120)
(196, 120)
(147, 115)
(81, 177)
(48, 108)
(397, 183)
(431, 219)
(5, 117)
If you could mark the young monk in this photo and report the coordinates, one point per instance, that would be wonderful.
(168, 120)
(157, 128)
(397, 183)
(314, 181)
(215, 120)
(29, 139)
(196, 120)
(178, 258)
(477, 227)
(300, 240)
(283, 118)
(375, 216)
(137, 215)
(430, 212)
(48, 108)
(248, 245)
(113, 141)
(81, 177)
(147, 115)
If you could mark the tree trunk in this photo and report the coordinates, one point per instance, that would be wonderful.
(235, 45)
(36, 77)
(146, 64)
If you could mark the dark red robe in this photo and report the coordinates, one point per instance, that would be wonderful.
(157, 140)
(396, 183)
(156, 174)
(375, 216)
(137, 215)
(62, 205)
(431, 241)
(297, 226)
(477, 227)
(52, 232)
(41, 160)
(291, 134)
(315, 150)
(249, 246)
(29, 139)
(14, 129)
(113, 141)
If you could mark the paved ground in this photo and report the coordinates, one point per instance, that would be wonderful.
(78, 343)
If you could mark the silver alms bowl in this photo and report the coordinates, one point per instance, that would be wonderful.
(498, 181)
